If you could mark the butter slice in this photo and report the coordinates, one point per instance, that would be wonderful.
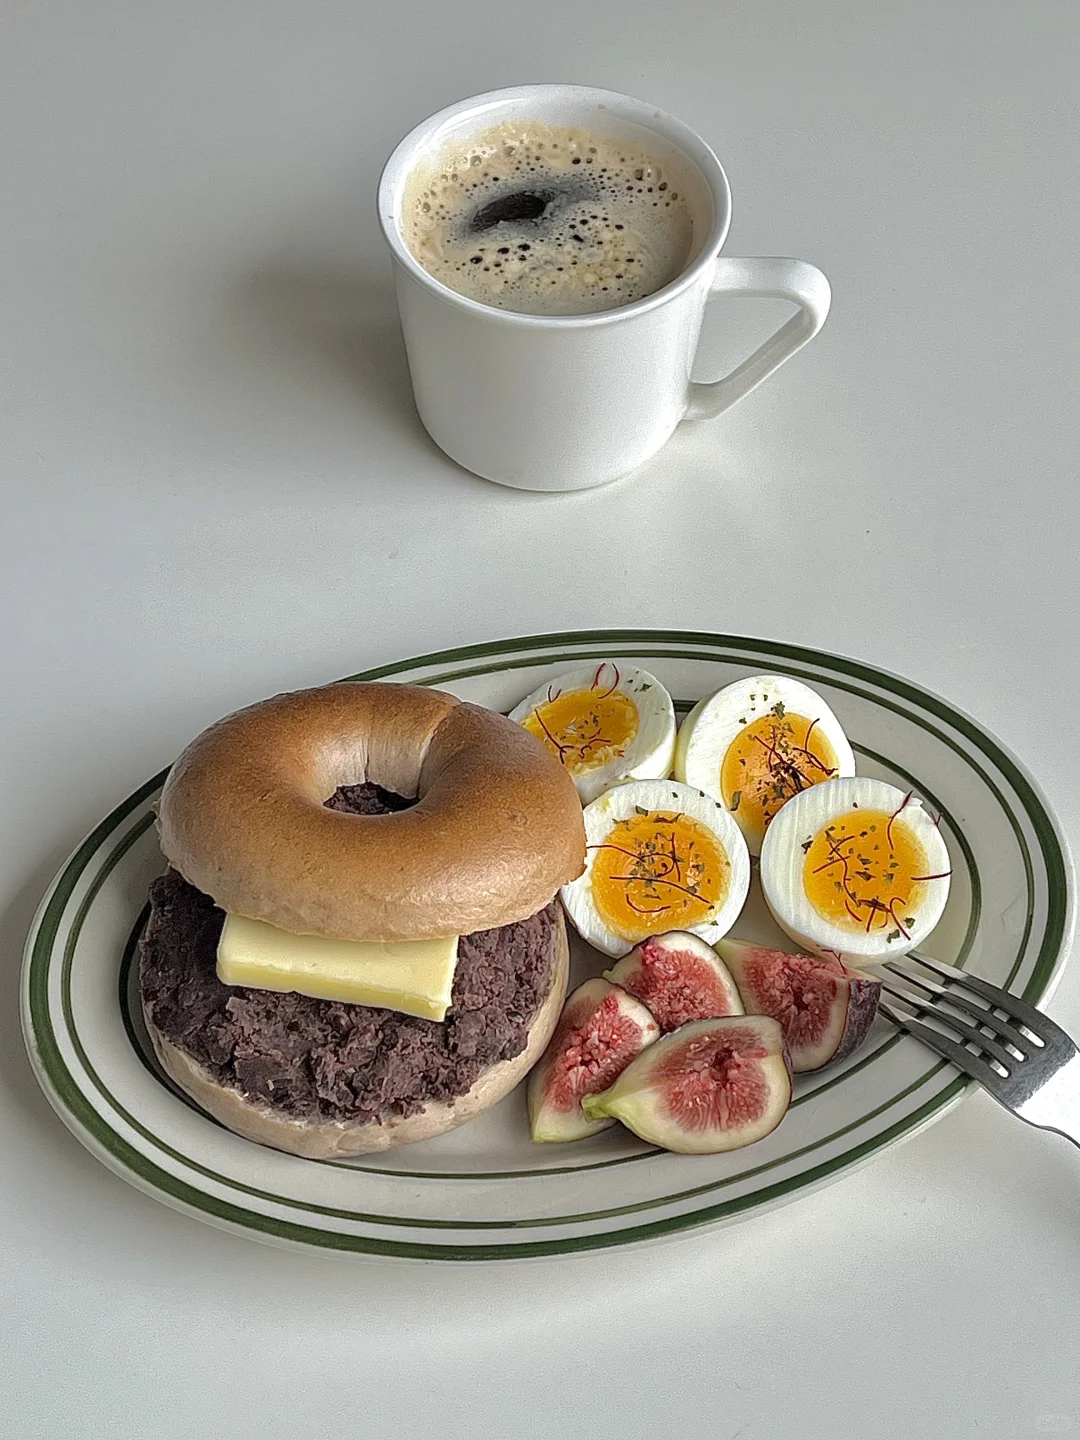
(413, 976)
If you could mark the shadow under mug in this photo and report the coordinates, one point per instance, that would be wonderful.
(566, 402)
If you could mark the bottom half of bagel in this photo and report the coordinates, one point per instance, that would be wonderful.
(322, 1079)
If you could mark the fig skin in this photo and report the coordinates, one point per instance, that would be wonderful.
(825, 1007)
(594, 1015)
(679, 977)
(685, 1092)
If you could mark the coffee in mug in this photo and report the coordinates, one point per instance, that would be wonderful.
(538, 372)
(550, 220)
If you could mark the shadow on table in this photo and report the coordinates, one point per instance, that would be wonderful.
(340, 326)
(311, 360)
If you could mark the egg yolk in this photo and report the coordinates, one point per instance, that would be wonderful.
(585, 728)
(658, 871)
(773, 758)
(866, 871)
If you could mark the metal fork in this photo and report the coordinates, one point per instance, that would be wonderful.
(1025, 1061)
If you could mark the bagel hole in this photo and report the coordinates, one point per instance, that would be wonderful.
(367, 799)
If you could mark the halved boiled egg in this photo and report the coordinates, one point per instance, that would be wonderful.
(855, 868)
(758, 743)
(659, 856)
(607, 723)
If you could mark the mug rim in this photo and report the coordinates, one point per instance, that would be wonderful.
(405, 154)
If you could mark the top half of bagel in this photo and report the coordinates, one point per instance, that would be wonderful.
(495, 831)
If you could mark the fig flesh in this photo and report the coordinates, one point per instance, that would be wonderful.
(601, 1029)
(712, 1085)
(826, 1009)
(679, 977)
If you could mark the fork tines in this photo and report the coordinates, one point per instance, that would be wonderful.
(1019, 1055)
(999, 1045)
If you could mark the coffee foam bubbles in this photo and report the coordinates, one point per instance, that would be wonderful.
(548, 220)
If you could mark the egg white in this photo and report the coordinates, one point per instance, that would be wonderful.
(783, 858)
(715, 721)
(671, 798)
(648, 755)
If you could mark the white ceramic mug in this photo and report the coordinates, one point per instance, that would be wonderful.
(565, 402)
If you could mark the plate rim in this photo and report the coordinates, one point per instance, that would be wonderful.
(1060, 923)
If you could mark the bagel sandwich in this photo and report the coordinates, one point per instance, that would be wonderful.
(358, 943)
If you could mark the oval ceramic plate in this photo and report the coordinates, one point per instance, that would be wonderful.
(486, 1192)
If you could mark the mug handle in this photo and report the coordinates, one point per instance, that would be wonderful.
(795, 280)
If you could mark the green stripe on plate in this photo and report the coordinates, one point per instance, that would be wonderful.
(113, 1147)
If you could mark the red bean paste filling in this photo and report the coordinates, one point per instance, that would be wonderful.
(321, 1060)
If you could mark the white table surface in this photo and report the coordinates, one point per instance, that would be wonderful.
(214, 486)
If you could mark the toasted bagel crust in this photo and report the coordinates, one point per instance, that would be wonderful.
(496, 831)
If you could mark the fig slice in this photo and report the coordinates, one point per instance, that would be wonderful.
(679, 977)
(825, 1007)
(712, 1085)
(600, 1031)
